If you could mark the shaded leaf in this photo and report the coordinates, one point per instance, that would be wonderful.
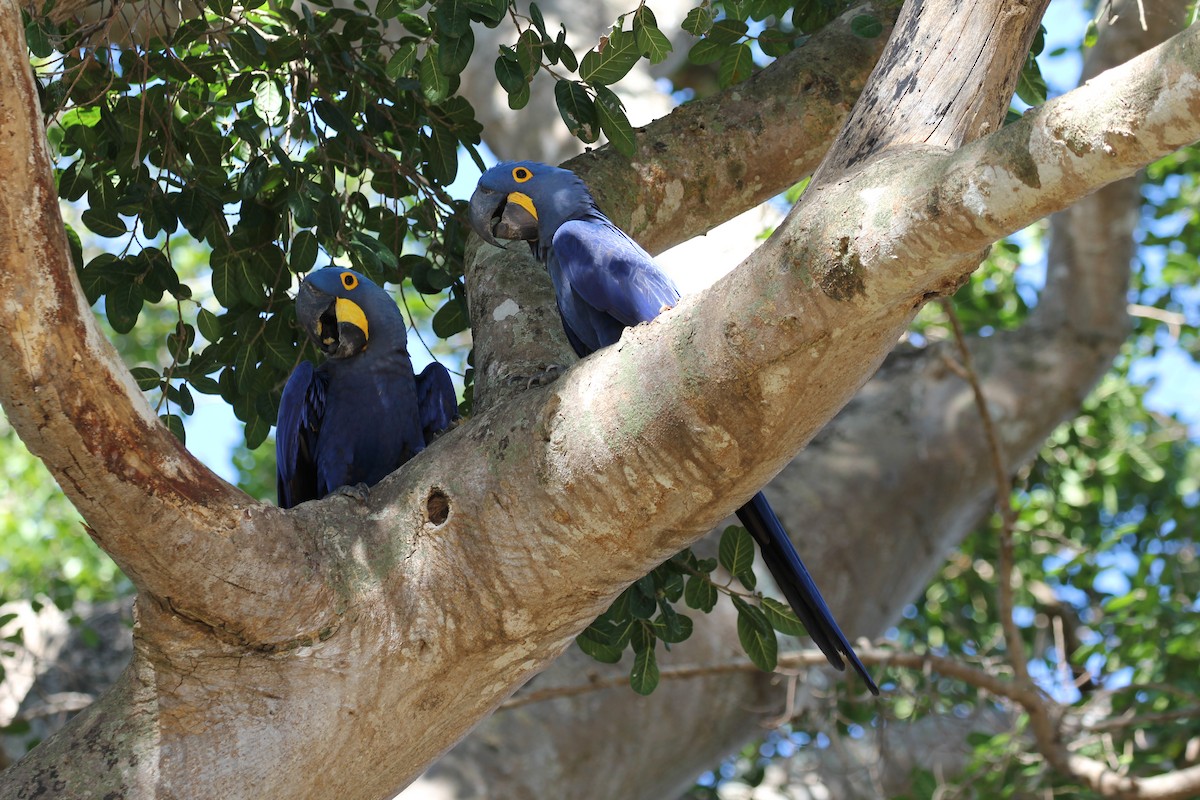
(577, 110)
(644, 675)
(757, 636)
(613, 121)
(609, 65)
(736, 551)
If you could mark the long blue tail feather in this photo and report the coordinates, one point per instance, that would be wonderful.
(797, 585)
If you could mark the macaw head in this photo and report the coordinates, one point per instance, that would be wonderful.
(528, 201)
(341, 309)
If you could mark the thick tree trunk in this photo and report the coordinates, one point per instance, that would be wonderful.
(340, 647)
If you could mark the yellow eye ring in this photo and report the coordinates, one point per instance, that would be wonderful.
(521, 174)
(349, 280)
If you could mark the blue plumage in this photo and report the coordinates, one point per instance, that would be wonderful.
(362, 413)
(605, 282)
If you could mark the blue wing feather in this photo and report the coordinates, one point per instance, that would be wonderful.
(301, 409)
(605, 282)
(437, 406)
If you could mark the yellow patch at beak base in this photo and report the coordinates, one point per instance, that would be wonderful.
(524, 201)
(349, 311)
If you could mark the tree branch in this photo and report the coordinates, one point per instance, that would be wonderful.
(710, 160)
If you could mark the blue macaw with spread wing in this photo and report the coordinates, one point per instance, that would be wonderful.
(356, 418)
(605, 282)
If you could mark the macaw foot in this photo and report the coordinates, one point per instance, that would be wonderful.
(548, 375)
(359, 492)
(665, 308)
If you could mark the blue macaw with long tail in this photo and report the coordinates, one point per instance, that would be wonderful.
(345, 425)
(605, 282)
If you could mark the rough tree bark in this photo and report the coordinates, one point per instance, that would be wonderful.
(297, 653)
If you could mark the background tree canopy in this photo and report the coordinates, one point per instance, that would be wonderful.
(205, 164)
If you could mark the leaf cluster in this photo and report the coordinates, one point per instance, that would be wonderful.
(647, 611)
(279, 140)
(582, 90)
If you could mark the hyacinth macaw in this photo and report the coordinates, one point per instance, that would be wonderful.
(604, 282)
(362, 413)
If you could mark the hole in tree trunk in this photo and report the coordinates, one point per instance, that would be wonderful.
(437, 506)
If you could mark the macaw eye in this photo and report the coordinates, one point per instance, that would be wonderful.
(520, 174)
(349, 280)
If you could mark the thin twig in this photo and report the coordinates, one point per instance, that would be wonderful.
(1008, 517)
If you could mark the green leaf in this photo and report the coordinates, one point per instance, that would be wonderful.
(209, 325)
(174, 424)
(614, 123)
(736, 65)
(736, 551)
(253, 177)
(866, 26)
(303, 253)
(451, 318)
(37, 40)
(727, 31)
(278, 345)
(1031, 86)
(145, 377)
(774, 42)
(529, 51)
(613, 62)
(256, 432)
(781, 617)
(640, 604)
(520, 98)
(435, 85)
(104, 223)
(453, 54)
(510, 75)
(756, 635)
(387, 9)
(564, 51)
(1124, 601)
(706, 51)
(644, 675)
(653, 43)
(181, 397)
(700, 593)
(601, 651)
(577, 110)
(699, 20)
(122, 305)
(452, 18)
(441, 153)
(269, 101)
(333, 116)
(672, 627)
(535, 16)
(401, 62)
(72, 184)
(245, 361)
(246, 50)
(225, 277)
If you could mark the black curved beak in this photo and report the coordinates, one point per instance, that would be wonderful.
(317, 313)
(493, 216)
(311, 305)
